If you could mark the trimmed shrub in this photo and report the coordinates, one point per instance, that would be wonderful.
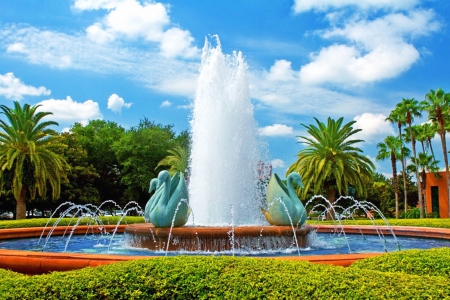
(67, 221)
(193, 277)
(431, 262)
(428, 222)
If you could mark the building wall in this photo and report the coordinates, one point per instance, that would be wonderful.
(441, 183)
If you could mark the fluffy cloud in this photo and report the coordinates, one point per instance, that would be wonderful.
(276, 130)
(129, 19)
(281, 71)
(301, 6)
(277, 163)
(70, 111)
(374, 127)
(116, 103)
(166, 103)
(376, 49)
(12, 88)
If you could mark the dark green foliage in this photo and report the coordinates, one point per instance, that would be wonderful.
(187, 277)
(432, 262)
(67, 221)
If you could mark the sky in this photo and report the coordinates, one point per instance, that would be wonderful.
(125, 60)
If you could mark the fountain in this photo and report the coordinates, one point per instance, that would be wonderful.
(223, 190)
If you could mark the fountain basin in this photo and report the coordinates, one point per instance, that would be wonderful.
(215, 239)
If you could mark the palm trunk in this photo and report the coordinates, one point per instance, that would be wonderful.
(395, 182)
(405, 187)
(331, 196)
(419, 185)
(424, 184)
(21, 205)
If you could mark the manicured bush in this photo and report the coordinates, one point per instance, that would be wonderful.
(189, 277)
(432, 262)
(66, 221)
(427, 222)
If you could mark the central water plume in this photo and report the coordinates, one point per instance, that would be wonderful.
(225, 147)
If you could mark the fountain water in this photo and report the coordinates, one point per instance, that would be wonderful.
(225, 149)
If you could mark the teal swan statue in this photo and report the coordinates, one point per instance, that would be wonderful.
(283, 206)
(170, 194)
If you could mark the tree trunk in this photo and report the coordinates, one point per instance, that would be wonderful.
(395, 181)
(419, 186)
(331, 196)
(21, 205)
(405, 187)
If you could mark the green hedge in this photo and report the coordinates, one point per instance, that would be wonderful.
(427, 222)
(432, 262)
(66, 221)
(194, 277)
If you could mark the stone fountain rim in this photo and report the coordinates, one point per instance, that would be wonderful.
(29, 262)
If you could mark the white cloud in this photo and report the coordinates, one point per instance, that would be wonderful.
(59, 50)
(281, 71)
(277, 163)
(374, 127)
(116, 103)
(376, 49)
(70, 111)
(12, 88)
(166, 103)
(276, 130)
(301, 6)
(129, 19)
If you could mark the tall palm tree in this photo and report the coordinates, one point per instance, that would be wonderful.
(397, 116)
(429, 131)
(331, 162)
(29, 154)
(411, 109)
(391, 149)
(437, 103)
(178, 160)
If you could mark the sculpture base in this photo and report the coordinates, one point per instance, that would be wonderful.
(216, 239)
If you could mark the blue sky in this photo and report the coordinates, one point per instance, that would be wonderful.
(122, 60)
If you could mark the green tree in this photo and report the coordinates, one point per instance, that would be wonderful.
(391, 149)
(97, 138)
(139, 150)
(29, 158)
(437, 103)
(398, 117)
(411, 109)
(331, 162)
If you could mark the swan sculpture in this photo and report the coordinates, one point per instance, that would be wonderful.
(169, 204)
(283, 206)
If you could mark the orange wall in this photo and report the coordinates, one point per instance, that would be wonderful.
(441, 183)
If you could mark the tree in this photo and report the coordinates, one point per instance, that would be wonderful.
(411, 109)
(397, 116)
(330, 161)
(178, 160)
(29, 158)
(138, 151)
(391, 149)
(437, 103)
(97, 138)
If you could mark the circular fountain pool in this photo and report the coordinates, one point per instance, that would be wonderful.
(319, 244)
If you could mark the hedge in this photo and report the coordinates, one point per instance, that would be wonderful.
(194, 277)
(431, 262)
(66, 221)
(437, 223)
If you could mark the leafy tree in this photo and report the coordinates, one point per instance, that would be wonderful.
(178, 160)
(139, 150)
(391, 148)
(97, 138)
(330, 161)
(411, 109)
(437, 103)
(29, 158)
(80, 187)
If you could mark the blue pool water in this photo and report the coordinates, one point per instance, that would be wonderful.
(321, 244)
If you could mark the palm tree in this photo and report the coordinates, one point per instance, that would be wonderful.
(331, 162)
(437, 103)
(391, 149)
(429, 131)
(411, 109)
(178, 160)
(29, 154)
(397, 116)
